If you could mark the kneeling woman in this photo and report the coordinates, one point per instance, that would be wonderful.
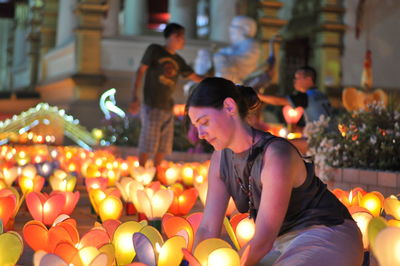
(298, 221)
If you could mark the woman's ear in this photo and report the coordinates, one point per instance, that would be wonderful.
(230, 106)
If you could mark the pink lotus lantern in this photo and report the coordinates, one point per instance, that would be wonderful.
(96, 183)
(71, 199)
(45, 208)
(184, 200)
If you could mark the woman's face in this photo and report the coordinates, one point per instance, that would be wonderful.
(213, 125)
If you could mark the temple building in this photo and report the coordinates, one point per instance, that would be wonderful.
(68, 52)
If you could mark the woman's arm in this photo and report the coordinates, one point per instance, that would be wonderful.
(282, 170)
(216, 203)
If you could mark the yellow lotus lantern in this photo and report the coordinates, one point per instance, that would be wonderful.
(392, 207)
(110, 208)
(373, 202)
(188, 175)
(22, 158)
(212, 250)
(28, 184)
(10, 175)
(11, 247)
(61, 181)
(155, 203)
(385, 242)
(29, 171)
(123, 243)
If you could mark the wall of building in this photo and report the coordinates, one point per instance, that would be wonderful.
(380, 33)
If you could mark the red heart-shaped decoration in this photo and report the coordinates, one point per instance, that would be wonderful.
(292, 115)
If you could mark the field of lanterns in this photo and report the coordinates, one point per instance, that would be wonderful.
(46, 192)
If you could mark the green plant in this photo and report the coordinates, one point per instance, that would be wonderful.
(367, 139)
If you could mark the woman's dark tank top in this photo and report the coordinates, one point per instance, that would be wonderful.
(310, 204)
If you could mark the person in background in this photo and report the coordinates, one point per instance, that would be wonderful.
(314, 102)
(161, 66)
(297, 219)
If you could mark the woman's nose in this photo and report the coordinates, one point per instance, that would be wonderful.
(202, 133)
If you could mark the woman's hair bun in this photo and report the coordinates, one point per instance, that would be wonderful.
(249, 96)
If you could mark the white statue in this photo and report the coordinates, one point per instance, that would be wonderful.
(237, 61)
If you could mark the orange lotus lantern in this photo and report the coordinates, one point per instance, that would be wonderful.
(7, 208)
(6, 193)
(240, 229)
(38, 237)
(184, 200)
(180, 226)
(170, 175)
(45, 208)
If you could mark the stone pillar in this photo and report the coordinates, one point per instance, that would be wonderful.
(328, 44)
(184, 12)
(66, 21)
(6, 49)
(49, 26)
(269, 26)
(135, 17)
(88, 78)
(34, 36)
(111, 23)
(221, 15)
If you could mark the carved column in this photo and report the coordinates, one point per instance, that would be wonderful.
(328, 44)
(270, 25)
(33, 38)
(184, 12)
(48, 28)
(111, 23)
(88, 78)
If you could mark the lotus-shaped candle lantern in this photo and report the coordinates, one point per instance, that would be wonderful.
(184, 200)
(169, 174)
(212, 251)
(96, 183)
(28, 184)
(10, 202)
(11, 247)
(45, 208)
(154, 203)
(71, 199)
(61, 181)
(362, 217)
(188, 174)
(203, 188)
(123, 243)
(392, 207)
(179, 226)
(240, 229)
(45, 169)
(143, 175)
(10, 175)
(384, 241)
